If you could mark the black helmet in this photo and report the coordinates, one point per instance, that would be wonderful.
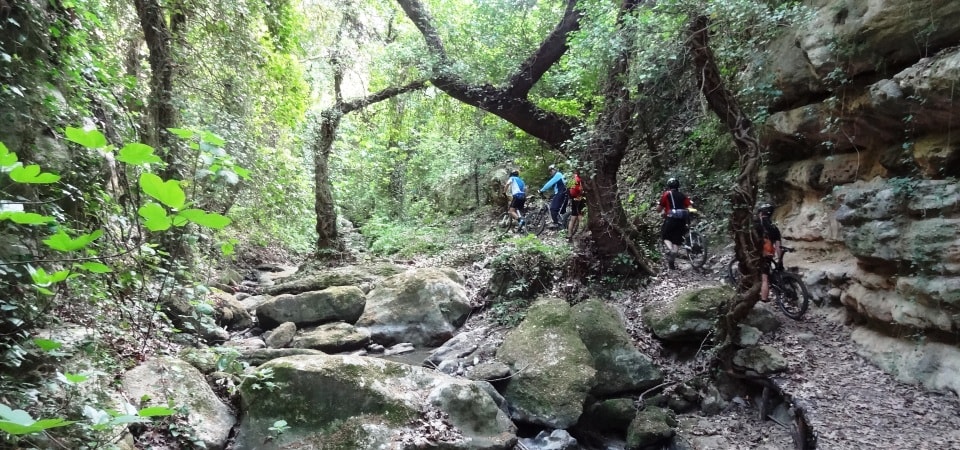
(514, 172)
(673, 183)
(766, 208)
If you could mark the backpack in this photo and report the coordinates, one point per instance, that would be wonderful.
(678, 210)
(576, 191)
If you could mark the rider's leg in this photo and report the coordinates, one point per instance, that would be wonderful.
(555, 203)
(764, 287)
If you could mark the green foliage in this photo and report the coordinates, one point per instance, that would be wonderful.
(389, 238)
(525, 267)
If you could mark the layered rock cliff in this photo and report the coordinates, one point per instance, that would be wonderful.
(863, 154)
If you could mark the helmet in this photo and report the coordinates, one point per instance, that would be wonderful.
(552, 167)
(766, 209)
(514, 172)
(673, 183)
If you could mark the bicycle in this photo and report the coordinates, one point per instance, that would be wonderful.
(510, 225)
(694, 246)
(786, 288)
(538, 220)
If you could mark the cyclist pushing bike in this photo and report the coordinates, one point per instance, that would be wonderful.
(516, 189)
(559, 200)
(772, 251)
(675, 208)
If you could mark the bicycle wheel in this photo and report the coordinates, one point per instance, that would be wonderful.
(507, 223)
(696, 248)
(791, 295)
(534, 222)
(544, 217)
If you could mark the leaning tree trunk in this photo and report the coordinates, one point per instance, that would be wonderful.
(611, 229)
(329, 243)
(744, 193)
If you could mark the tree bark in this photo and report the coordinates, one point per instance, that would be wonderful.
(163, 112)
(743, 196)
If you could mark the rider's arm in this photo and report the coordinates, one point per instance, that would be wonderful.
(551, 182)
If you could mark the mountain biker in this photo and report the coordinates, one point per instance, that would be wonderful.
(559, 199)
(577, 200)
(770, 238)
(516, 189)
(673, 205)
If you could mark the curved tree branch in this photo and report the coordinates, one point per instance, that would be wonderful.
(510, 104)
(550, 51)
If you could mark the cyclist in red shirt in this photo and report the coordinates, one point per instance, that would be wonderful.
(674, 205)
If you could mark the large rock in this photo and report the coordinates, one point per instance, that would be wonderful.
(314, 279)
(931, 364)
(354, 402)
(421, 306)
(552, 368)
(691, 316)
(620, 366)
(651, 428)
(333, 338)
(338, 303)
(846, 39)
(170, 381)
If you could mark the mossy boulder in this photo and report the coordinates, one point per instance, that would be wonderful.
(620, 366)
(355, 402)
(761, 360)
(333, 338)
(552, 368)
(310, 278)
(422, 307)
(692, 315)
(652, 428)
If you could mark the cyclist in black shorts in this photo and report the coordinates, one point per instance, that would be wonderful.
(517, 190)
(674, 205)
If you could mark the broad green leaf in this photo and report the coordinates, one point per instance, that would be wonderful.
(227, 248)
(25, 218)
(7, 158)
(212, 139)
(167, 192)
(182, 132)
(156, 411)
(244, 173)
(15, 428)
(75, 378)
(31, 175)
(62, 242)
(138, 154)
(203, 218)
(89, 139)
(155, 216)
(47, 344)
(95, 267)
(40, 277)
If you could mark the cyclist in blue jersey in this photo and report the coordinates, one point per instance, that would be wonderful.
(516, 189)
(559, 199)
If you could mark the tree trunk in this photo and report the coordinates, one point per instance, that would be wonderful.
(163, 112)
(744, 193)
(329, 243)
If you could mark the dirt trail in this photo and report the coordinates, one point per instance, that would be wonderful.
(851, 404)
